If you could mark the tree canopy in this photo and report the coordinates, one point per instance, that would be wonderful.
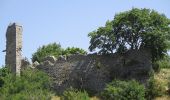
(133, 29)
(54, 49)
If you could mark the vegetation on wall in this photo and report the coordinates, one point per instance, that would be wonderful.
(54, 49)
(134, 29)
(73, 50)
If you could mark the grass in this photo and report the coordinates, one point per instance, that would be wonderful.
(163, 77)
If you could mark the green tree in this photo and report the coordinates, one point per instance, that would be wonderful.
(73, 50)
(56, 50)
(52, 49)
(134, 29)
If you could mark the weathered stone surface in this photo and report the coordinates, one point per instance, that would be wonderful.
(25, 63)
(62, 58)
(14, 47)
(92, 72)
(52, 59)
(35, 64)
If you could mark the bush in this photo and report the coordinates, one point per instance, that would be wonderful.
(73, 94)
(156, 67)
(31, 85)
(122, 90)
(154, 89)
(3, 72)
(162, 63)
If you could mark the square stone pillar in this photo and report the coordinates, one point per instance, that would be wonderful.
(14, 48)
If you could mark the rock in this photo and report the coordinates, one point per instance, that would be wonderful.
(35, 64)
(62, 58)
(52, 59)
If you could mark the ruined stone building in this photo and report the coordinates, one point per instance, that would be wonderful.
(13, 48)
(88, 72)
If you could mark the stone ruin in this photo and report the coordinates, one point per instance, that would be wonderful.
(14, 48)
(90, 72)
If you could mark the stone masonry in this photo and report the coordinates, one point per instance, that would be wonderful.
(14, 48)
(92, 72)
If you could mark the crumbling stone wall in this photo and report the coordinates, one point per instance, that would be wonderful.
(13, 47)
(92, 72)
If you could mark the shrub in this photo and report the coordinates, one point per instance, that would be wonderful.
(162, 63)
(154, 89)
(31, 85)
(156, 67)
(3, 72)
(122, 90)
(73, 94)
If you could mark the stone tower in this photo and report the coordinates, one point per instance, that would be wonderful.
(14, 48)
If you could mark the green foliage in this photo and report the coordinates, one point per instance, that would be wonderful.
(47, 50)
(73, 50)
(54, 49)
(3, 72)
(165, 62)
(31, 85)
(122, 90)
(73, 94)
(156, 67)
(134, 29)
(162, 63)
(154, 89)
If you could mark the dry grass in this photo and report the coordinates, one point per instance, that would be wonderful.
(163, 98)
(58, 98)
(163, 77)
(55, 98)
(94, 98)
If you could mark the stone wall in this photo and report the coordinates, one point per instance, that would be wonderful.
(13, 47)
(92, 72)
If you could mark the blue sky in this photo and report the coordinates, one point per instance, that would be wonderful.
(64, 21)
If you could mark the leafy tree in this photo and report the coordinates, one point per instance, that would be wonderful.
(73, 50)
(47, 50)
(134, 29)
(56, 50)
